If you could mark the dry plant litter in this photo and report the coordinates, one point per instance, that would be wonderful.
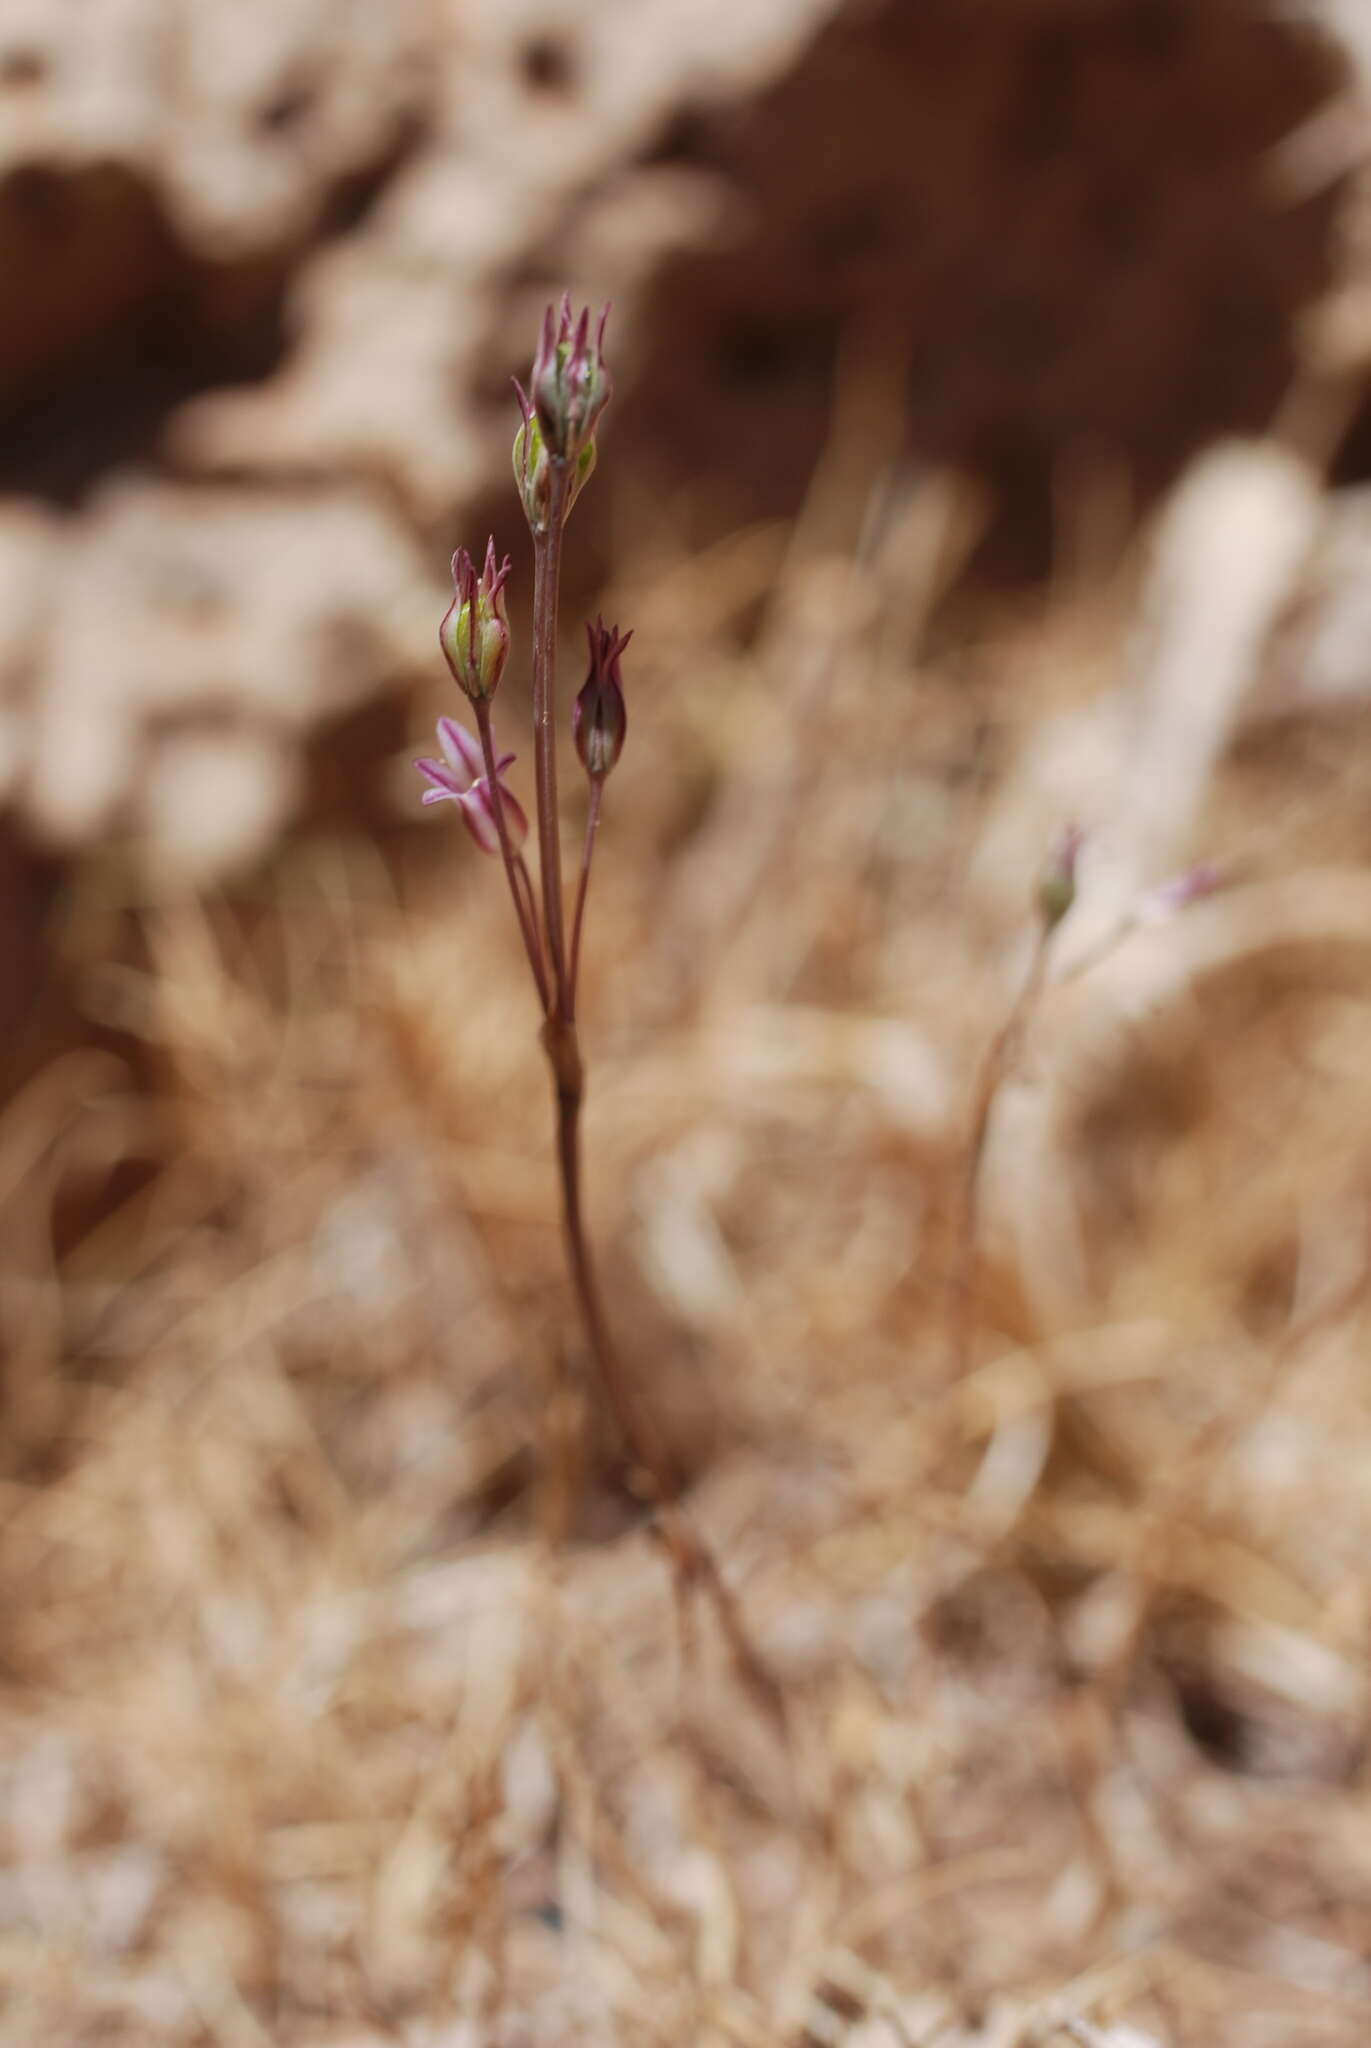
(317, 1728)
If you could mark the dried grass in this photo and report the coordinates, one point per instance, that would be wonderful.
(313, 1734)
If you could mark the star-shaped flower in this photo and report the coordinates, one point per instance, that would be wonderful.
(460, 778)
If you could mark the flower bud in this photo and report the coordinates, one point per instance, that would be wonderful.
(533, 469)
(1057, 882)
(570, 386)
(474, 635)
(599, 718)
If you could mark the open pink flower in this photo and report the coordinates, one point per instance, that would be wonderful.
(460, 778)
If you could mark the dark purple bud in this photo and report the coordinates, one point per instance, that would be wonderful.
(474, 635)
(599, 718)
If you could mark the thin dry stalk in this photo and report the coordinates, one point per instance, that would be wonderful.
(995, 1065)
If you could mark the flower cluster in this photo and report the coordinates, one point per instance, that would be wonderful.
(569, 389)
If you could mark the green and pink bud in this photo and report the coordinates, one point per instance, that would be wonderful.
(599, 718)
(569, 388)
(474, 635)
(533, 470)
(1057, 882)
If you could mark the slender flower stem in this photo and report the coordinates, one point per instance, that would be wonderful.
(530, 904)
(966, 1227)
(514, 865)
(570, 389)
(692, 1559)
(592, 820)
(658, 1481)
(638, 1433)
(547, 567)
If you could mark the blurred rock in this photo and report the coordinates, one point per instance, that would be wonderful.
(1321, 658)
(1233, 546)
(184, 614)
(283, 256)
(28, 561)
(150, 157)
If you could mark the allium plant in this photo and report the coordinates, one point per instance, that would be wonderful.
(554, 455)
(1055, 899)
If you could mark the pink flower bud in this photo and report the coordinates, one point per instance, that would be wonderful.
(599, 718)
(570, 386)
(474, 635)
(533, 471)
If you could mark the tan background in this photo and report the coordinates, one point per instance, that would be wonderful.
(989, 450)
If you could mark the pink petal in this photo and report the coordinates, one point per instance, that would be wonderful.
(516, 822)
(462, 749)
(442, 778)
(478, 813)
(479, 819)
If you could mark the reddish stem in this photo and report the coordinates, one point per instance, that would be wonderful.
(592, 820)
(514, 864)
(691, 1557)
(966, 1227)
(531, 910)
(547, 567)
(693, 1561)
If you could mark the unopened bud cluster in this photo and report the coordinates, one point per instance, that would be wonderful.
(569, 388)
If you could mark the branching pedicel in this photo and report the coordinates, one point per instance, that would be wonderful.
(554, 455)
(1056, 896)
